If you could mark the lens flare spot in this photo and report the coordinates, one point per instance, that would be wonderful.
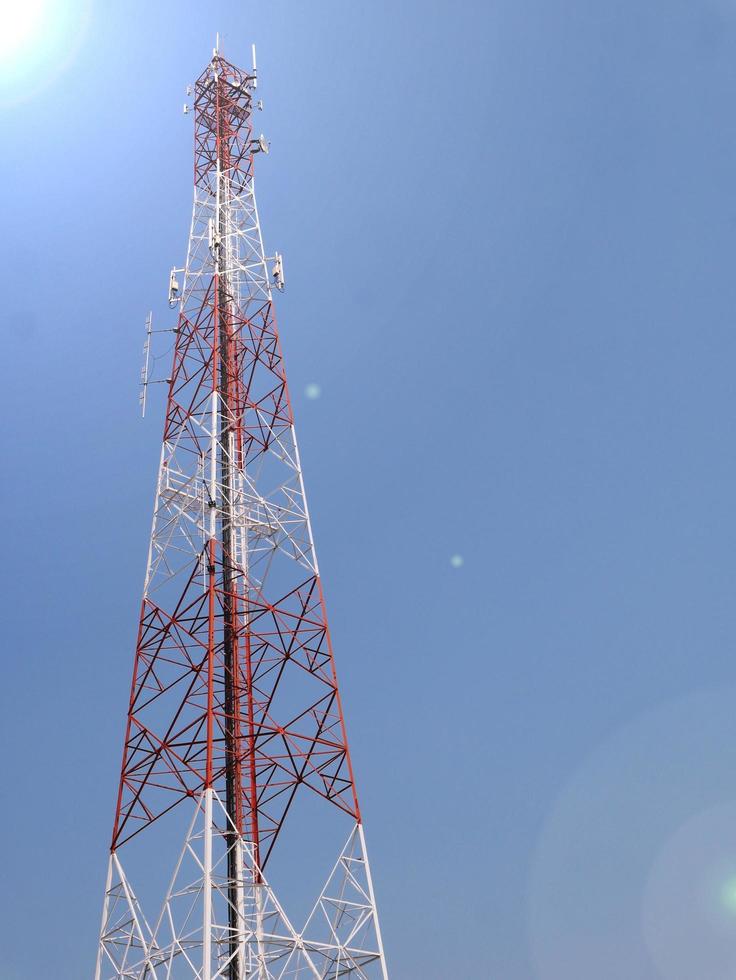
(313, 390)
(457, 561)
(728, 895)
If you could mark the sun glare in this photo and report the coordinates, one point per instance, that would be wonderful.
(21, 20)
(39, 41)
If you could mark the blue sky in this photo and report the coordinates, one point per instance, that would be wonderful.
(509, 231)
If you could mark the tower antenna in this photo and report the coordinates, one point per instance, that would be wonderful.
(234, 721)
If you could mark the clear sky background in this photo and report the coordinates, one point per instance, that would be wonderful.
(509, 231)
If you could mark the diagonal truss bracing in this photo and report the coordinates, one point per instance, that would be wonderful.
(230, 478)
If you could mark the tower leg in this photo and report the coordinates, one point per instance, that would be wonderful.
(103, 924)
(126, 948)
(207, 889)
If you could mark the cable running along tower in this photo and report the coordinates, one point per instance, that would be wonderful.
(235, 733)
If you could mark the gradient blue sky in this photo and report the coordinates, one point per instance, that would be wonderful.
(509, 232)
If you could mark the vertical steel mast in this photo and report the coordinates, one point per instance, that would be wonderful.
(234, 712)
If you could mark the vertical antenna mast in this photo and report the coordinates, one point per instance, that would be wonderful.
(234, 713)
(146, 361)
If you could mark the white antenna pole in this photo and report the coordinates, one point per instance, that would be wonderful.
(144, 370)
(255, 69)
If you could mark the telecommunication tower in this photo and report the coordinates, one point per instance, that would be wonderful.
(235, 712)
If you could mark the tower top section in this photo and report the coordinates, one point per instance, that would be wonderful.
(223, 106)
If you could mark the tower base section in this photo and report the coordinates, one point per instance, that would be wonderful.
(213, 928)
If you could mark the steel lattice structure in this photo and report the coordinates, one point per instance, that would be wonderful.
(234, 708)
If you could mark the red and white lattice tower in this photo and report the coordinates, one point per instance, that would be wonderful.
(235, 712)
